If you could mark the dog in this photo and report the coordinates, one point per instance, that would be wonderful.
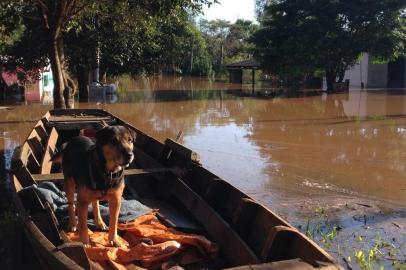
(97, 170)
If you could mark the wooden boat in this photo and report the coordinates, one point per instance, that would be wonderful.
(249, 235)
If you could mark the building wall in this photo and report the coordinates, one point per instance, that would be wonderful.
(358, 73)
(371, 74)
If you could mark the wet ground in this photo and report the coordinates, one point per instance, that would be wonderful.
(333, 165)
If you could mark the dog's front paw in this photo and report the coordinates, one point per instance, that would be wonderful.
(72, 226)
(101, 226)
(115, 243)
(85, 241)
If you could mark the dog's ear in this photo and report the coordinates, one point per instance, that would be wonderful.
(104, 135)
(133, 134)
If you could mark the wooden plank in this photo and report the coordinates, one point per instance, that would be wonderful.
(24, 153)
(46, 163)
(77, 124)
(33, 164)
(77, 253)
(69, 118)
(182, 150)
(286, 243)
(228, 240)
(59, 176)
(42, 133)
(93, 112)
(36, 147)
(24, 176)
(294, 264)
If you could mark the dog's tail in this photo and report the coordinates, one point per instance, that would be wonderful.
(57, 157)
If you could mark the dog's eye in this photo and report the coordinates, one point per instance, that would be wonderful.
(114, 141)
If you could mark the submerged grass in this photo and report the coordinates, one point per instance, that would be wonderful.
(364, 252)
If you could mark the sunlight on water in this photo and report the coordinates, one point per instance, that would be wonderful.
(351, 143)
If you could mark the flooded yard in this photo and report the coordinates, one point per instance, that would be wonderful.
(334, 165)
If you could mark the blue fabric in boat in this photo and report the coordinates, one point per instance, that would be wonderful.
(48, 191)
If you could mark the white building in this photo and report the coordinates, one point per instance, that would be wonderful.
(390, 75)
(46, 84)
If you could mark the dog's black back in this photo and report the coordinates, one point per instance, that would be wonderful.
(77, 157)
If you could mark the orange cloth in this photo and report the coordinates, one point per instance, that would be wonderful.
(167, 242)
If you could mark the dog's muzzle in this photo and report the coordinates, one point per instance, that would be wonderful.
(128, 157)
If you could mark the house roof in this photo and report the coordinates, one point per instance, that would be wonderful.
(250, 63)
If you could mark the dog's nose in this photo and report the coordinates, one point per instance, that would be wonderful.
(129, 156)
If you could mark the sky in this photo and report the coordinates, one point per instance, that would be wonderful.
(231, 10)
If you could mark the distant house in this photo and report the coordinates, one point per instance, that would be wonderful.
(35, 90)
(46, 83)
(371, 75)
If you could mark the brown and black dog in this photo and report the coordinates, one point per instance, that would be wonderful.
(97, 170)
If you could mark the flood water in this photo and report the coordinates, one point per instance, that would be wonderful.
(286, 151)
(352, 143)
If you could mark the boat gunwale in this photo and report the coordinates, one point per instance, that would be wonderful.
(30, 227)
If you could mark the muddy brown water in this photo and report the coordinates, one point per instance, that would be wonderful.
(285, 151)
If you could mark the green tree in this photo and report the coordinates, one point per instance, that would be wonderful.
(237, 43)
(301, 37)
(51, 20)
(228, 42)
(215, 33)
(12, 39)
(260, 7)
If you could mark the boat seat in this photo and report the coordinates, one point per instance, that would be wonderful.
(69, 122)
(132, 172)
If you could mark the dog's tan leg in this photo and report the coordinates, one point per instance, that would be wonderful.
(83, 203)
(98, 221)
(114, 208)
(70, 195)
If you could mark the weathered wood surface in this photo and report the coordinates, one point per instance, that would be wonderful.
(230, 243)
(49, 151)
(59, 176)
(247, 233)
(182, 150)
(295, 264)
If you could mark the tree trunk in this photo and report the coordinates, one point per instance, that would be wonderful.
(331, 79)
(103, 75)
(70, 87)
(341, 74)
(57, 74)
(3, 86)
(82, 74)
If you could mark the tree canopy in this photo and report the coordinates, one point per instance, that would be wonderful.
(228, 42)
(301, 37)
(122, 33)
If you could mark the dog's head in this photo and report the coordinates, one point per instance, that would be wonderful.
(116, 144)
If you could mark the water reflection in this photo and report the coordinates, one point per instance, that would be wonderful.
(351, 143)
